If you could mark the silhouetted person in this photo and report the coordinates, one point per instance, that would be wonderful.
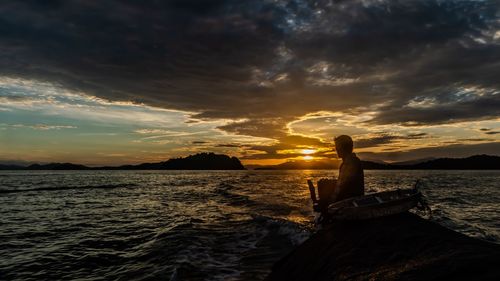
(351, 181)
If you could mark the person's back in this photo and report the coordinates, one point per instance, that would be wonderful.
(350, 182)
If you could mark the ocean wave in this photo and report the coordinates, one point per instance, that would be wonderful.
(294, 232)
(224, 189)
(59, 188)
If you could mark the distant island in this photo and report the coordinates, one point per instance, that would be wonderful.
(212, 161)
(476, 162)
(200, 161)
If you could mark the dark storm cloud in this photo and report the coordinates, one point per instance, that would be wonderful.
(416, 136)
(475, 139)
(228, 145)
(489, 131)
(386, 139)
(260, 127)
(374, 141)
(364, 35)
(268, 62)
(166, 53)
(478, 108)
(453, 150)
(199, 142)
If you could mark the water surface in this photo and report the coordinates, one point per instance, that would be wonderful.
(195, 225)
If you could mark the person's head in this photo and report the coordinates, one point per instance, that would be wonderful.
(343, 145)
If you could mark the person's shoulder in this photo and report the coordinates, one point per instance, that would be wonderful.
(352, 157)
(355, 159)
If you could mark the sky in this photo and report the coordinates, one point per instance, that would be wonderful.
(125, 82)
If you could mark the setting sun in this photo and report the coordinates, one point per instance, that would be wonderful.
(308, 151)
(308, 157)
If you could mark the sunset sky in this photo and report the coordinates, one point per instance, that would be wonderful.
(115, 82)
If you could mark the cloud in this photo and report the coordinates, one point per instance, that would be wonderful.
(255, 59)
(476, 140)
(373, 141)
(449, 108)
(417, 136)
(262, 127)
(265, 63)
(228, 145)
(453, 151)
(41, 126)
(199, 142)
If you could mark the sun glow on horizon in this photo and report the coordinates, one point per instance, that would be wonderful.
(308, 151)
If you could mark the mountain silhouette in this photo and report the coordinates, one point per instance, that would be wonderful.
(476, 162)
(200, 161)
(212, 161)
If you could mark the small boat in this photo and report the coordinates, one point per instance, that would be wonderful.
(370, 206)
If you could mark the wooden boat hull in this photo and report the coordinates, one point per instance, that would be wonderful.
(349, 210)
(372, 205)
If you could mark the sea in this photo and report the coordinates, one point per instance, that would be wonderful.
(194, 225)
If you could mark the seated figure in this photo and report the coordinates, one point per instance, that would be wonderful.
(350, 182)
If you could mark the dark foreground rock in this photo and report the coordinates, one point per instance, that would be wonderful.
(402, 247)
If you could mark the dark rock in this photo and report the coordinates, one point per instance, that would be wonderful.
(401, 247)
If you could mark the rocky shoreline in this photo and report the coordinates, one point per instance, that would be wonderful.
(400, 247)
